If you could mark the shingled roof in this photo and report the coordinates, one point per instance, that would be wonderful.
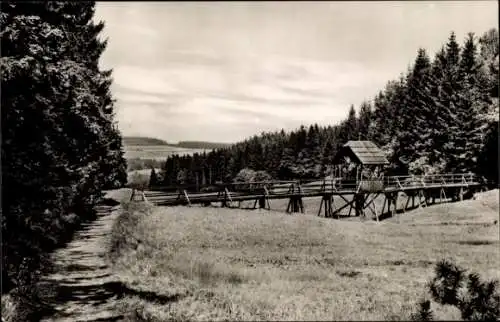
(363, 152)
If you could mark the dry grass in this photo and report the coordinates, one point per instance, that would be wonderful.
(228, 264)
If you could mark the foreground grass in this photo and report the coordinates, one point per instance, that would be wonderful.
(227, 264)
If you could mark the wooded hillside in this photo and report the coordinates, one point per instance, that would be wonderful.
(141, 141)
(439, 116)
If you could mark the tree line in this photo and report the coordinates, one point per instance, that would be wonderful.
(440, 116)
(60, 143)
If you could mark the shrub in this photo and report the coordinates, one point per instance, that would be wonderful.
(123, 231)
(141, 164)
(249, 175)
(138, 181)
(476, 300)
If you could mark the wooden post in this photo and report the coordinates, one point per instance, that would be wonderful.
(386, 201)
(407, 202)
(422, 194)
(359, 203)
(327, 201)
(266, 199)
(321, 205)
(262, 202)
(376, 212)
(187, 198)
(227, 195)
(357, 170)
(395, 208)
(352, 204)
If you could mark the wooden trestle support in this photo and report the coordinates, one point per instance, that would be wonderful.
(140, 192)
(359, 197)
(295, 203)
(263, 201)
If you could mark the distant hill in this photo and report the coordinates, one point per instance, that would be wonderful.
(145, 141)
(140, 140)
(201, 145)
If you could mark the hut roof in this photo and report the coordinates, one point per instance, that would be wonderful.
(363, 152)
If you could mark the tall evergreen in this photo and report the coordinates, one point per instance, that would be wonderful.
(414, 137)
(364, 121)
(349, 128)
(327, 159)
(60, 148)
(153, 178)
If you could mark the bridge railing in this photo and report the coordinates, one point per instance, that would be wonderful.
(312, 186)
(429, 180)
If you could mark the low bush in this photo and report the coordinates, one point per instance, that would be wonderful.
(138, 180)
(475, 299)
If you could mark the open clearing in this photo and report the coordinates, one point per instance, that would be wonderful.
(232, 264)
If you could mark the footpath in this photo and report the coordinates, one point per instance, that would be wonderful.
(84, 288)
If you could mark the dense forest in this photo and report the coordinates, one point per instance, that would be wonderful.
(60, 145)
(201, 145)
(142, 141)
(440, 116)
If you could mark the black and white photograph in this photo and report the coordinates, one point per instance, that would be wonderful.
(250, 161)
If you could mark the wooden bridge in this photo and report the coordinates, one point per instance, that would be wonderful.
(423, 189)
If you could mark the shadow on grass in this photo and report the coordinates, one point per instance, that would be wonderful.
(97, 294)
(350, 273)
(109, 202)
(477, 242)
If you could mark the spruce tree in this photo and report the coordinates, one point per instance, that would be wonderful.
(475, 102)
(53, 90)
(327, 159)
(349, 128)
(415, 137)
(365, 115)
(379, 129)
(153, 179)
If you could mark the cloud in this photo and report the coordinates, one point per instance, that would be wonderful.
(274, 93)
(142, 79)
(226, 71)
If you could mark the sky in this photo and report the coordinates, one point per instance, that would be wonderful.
(224, 71)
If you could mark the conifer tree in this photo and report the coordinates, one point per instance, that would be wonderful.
(327, 160)
(53, 90)
(349, 128)
(365, 115)
(414, 137)
(153, 178)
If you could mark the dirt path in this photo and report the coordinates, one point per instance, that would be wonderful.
(84, 288)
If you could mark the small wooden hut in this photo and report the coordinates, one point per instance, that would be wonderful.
(360, 161)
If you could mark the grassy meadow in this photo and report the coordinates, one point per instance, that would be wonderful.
(231, 264)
